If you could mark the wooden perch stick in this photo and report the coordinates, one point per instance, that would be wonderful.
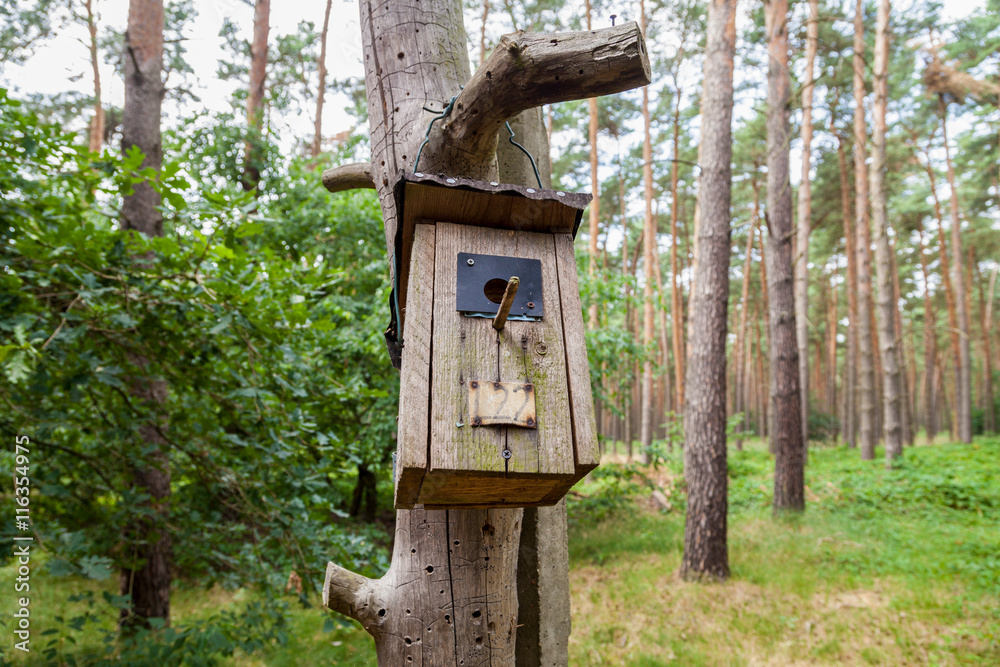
(527, 70)
(356, 176)
(505, 303)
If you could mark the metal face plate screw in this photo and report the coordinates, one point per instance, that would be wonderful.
(531, 304)
(506, 453)
(470, 261)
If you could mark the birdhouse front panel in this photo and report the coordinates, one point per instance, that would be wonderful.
(493, 412)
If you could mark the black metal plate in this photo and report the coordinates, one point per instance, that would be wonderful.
(472, 278)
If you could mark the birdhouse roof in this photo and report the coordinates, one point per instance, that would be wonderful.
(441, 198)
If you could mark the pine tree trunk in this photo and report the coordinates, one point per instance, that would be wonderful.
(831, 350)
(705, 468)
(321, 87)
(739, 397)
(676, 302)
(255, 96)
(650, 255)
(930, 348)
(963, 392)
(146, 582)
(97, 121)
(482, 31)
(790, 447)
(867, 434)
(990, 416)
(850, 359)
(892, 385)
(906, 410)
(804, 213)
(946, 279)
(595, 189)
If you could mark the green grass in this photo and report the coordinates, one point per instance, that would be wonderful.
(890, 567)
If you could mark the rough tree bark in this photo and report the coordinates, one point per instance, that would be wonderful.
(789, 458)
(990, 423)
(650, 254)
(866, 388)
(805, 212)
(97, 121)
(851, 354)
(892, 387)
(930, 346)
(255, 95)
(450, 596)
(706, 553)
(321, 87)
(963, 390)
(146, 583)
(739, 355)
(676, 302)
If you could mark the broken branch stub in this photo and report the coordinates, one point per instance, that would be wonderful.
(528, 70)
(356, 176)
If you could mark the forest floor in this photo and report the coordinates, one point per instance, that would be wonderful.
(896, 567)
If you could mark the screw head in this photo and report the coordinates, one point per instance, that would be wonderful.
(477, 421)
(474, 384)
(470, 261)
(529, 421)
(541, 348)
(506, 453)
(531, 304)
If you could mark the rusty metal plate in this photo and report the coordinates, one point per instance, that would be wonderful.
(504, 403)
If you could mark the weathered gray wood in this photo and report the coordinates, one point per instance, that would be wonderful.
(415, 56)
(422, 197)
(357, 176)
(586, 450)
(531, 69)
(414, 386)
(465, 349)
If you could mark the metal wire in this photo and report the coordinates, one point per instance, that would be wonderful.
(427, 135)
(525, 151)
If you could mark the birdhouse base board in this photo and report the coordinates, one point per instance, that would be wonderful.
(467, 490)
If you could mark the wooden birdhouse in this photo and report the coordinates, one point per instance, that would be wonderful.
(494, 411)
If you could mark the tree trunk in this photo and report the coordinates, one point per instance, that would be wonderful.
(905, 410)
(930, 347)
(650, 255)
(595, 189)
(705, 469)
(963, 392)
(482, 32)
(831, 350)
(255, 96)
(892, 396)
(146, 583)
(676, 302)
(805, 212)
(990, 417)
(739, 354)
(321, 87)
(364, 502)
(946, 277)
(863, 230)
(850, 360)
(450, 594)
(97, 122)
(790, 448)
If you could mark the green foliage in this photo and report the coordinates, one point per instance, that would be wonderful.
(263, 317)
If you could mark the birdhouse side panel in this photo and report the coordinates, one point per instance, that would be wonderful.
(414, 385)
(587, 453)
